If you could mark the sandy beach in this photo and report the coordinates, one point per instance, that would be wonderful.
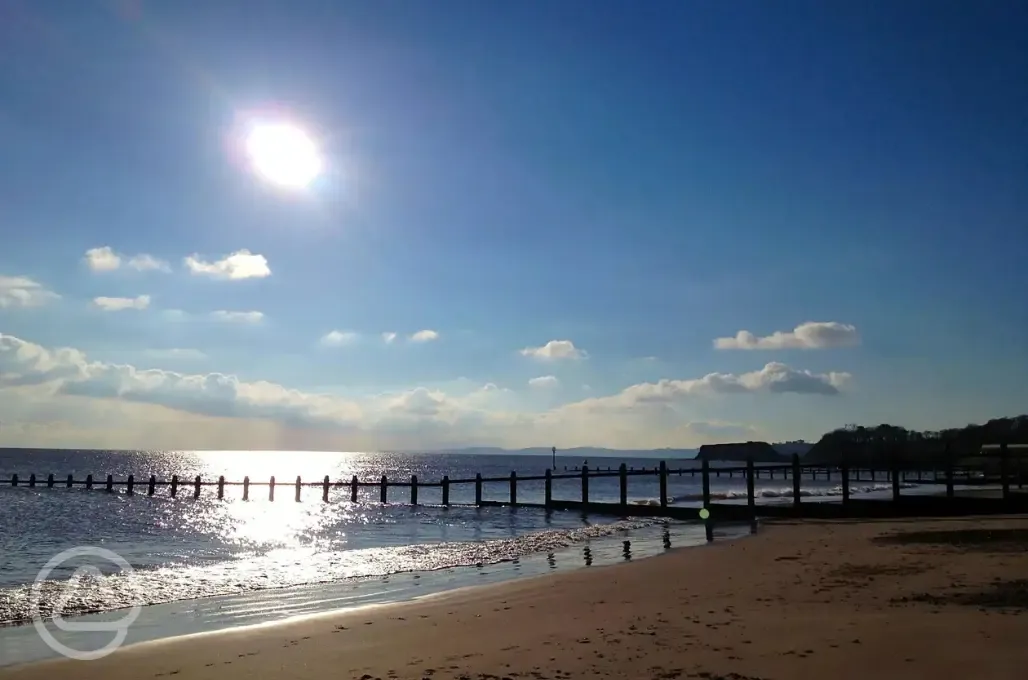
(837, 600)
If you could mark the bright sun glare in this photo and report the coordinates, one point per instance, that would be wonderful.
(283, 154)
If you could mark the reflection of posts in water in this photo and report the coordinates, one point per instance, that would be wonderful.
(627, 550)
(588, 554)
(667, 538)
(551, 560)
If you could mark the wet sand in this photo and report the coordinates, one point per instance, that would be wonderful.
(892, 599)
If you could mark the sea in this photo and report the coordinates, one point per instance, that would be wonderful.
(202, 565)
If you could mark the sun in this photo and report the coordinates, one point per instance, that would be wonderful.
(283, 154)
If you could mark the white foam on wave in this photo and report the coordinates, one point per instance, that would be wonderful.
(771, 493)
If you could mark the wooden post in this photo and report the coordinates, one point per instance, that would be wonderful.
(663, 484)
(385, 490)
(706, 483)
(513, 487)
(948, 455)
(796, 479)
(446, 490)
(246, 488)
(548, 498)
(894, 458)
(129, 483)
(221, 487)
(324, 489)
(296, 496)
(32, 481)
(413, 489)
(751, 495)
(623, 480)
(196, 487)
(708, 525)
(1004, 469)
(585, 484)
(152, 487)
(271, 489)
(845, 483)
(14, 479)
(50, 481)
(70, 481)
(110, 483)
(89, 482)
(353, 489)
(478, 488)
(174, 485)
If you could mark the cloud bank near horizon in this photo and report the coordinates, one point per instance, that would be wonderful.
(648, 414)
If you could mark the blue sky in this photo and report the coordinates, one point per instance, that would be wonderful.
(631, 181)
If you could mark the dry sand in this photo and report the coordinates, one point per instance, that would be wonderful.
(800, 600)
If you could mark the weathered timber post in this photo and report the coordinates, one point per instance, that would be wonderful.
(89, 482)
(271, 489)
(32, 481)
(796, 479)
(478, 488)
(129, 484)
(663, 484)
(50, 481)
(324, 489)
(246, 488)
(221, 487)
(174, 485)
(1004, 469)
(384, 490)
(354, 486)
(751, 495)
(513, 487)
(413, 489)
(845, 471)
(14, 479)
(196, 487)
(70, 481)
(708, 524)
(299, 484)
(110, 483)
(585, 484)
(623, 481)
(548, 491)
(446, 490)
(948, 455)
(152, 486)
(895, 469)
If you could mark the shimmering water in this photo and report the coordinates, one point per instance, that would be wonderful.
(184, 548)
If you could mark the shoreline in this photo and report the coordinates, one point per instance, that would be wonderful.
(20, 643)
(801, 599)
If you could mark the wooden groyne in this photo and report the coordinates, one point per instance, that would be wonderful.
(1010, 476)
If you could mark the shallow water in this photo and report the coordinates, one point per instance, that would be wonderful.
(200, 550)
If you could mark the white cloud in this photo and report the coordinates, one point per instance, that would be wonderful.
(424, 336)
(809, 335)
(555, 349)
(123, 405)
(388, 337)
(241, 264)
(21, 291)
(69, 372)
(104, 259)
(143, 263)
(544, 381)
(237, 317)
(118, 304)
(338, 338)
